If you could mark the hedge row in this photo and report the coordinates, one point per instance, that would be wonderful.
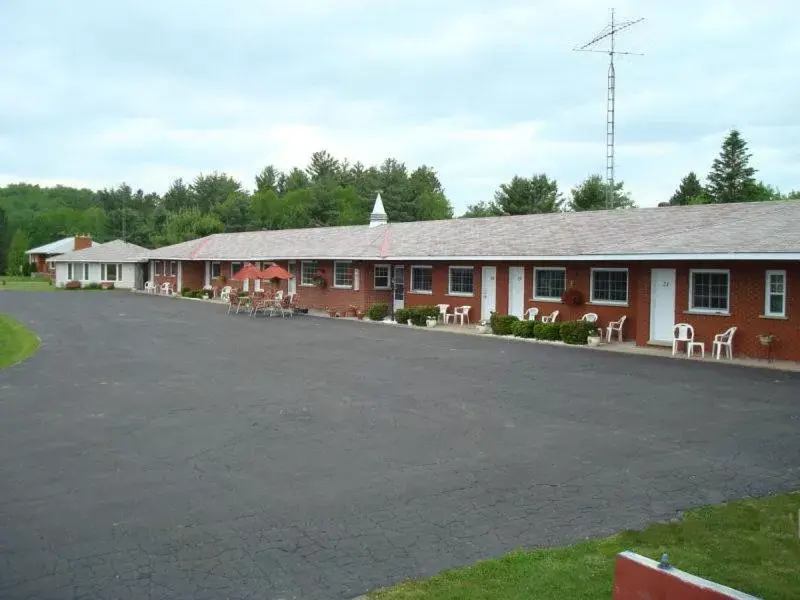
(571, 332)
(416, 314)
(190, 293)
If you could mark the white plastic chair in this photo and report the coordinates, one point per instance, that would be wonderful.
(225, 294)
(551, 318)
(166, 288)
(590, 317)
(615, 326)
(684, 333)
(443, 311)
(460, 313)
(149, 287)
(531, 313)
(723, 340)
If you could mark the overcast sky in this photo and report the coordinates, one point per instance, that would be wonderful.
(97, 92)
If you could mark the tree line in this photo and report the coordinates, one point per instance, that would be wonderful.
(327, 192)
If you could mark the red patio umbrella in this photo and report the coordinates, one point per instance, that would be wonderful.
(249, 271)
(275, 272)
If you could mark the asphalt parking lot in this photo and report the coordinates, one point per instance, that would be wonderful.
(158, 448)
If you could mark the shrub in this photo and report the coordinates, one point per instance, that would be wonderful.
(72, 285)
(186, 293)
(420, 314)
(576, 332)
(547, 331)
(524, 329)
(502, 324)
(92, 286)
(378, 312)
(402, 315)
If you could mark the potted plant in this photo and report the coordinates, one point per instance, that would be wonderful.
(319, 279)
(360, 314)
(594, 337)
(482, 326)
(431, 321)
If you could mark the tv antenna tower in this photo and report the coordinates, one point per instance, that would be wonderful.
(609, 33)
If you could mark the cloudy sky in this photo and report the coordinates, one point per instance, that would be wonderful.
(96, 92)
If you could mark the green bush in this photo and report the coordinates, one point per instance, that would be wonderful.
(547, 331)
(402, 315)
(576, 332)
(524, 329)
(417, 314)
(502, 324)
(378, 312)
(92, 286)
(187, 293)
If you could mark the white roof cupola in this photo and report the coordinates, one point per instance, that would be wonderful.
(378, 216)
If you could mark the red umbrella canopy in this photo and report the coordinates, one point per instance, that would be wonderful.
(275, 272)
(249, 271)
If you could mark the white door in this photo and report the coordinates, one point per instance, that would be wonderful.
(488, 291)
(399, 286)
(516, 291)
(662, 304)
(293, 281)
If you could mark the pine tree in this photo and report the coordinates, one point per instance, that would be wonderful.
(689, 189)
(732, 178)
(16, 253)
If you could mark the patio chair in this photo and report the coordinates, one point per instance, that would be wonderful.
(590, 317)
(615, 327)
(442, 312)
(531, 314)
(259, 303)
(551, 318)
(225, 293)
(460, 313)
(166, 288)
(723, 341)
(149, 287)
(234, 301)
(684, 333)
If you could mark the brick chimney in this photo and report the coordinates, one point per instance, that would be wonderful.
(82, 241)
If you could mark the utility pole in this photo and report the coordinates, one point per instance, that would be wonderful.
(609, 33)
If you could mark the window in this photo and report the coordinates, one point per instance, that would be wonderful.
(421, 280)
(308, 268)
(216, 270)
(775, 296)
(159, 268)
(549, 284)
(462, 281)
(235, 268)
(343, 274)
(708, 291)
(380, 277)
(173, 267)
(609, 286)
(70, 273)
(111, 272)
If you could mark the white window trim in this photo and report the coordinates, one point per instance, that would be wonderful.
(343, 262)
(104, 272)
(450, 291)
(85, 272)
(548, 298)
(708, 311)
(610, 302)
(767, 294)
(302, 263)
(411, 289)
(388, 277)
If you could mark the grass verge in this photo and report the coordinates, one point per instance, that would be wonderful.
(17, 342)
(25, 284)
(750, 545)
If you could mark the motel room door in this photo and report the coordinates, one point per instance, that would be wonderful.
(662, 304)
(399, 287)
(516, 291)
(488, 292)
(292, 285)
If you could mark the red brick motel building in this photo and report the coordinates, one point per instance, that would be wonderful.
(712, 266)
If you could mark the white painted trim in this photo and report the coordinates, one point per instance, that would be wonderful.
(411, 289)
(708, 311)
(179, 277)
(450, 291)
(342, 287)
(303, 262)
(600, 257)
(546, 298)
(688, 577)
(207, 274)
(388, 276)
(610, 302)
(769, 273)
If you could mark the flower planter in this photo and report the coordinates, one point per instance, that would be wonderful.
(482, 329)
(430, 322)
(593, 340)
(205, 296)
(409, 323)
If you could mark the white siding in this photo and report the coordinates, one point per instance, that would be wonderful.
(128, 274)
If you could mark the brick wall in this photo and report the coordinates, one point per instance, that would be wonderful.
(193, 274)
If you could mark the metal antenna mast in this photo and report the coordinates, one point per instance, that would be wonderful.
(609, 33)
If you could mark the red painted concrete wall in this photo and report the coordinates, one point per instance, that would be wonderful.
(638, 578)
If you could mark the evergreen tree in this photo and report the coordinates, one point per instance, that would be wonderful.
(732, 178)
(16, 253)
(591, 195)
(525, 196)
(689, 189)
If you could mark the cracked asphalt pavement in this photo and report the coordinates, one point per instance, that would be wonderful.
(157, 448)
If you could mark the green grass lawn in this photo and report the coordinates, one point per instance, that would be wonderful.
(750, 545)
(17, 342)
(25, 284)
